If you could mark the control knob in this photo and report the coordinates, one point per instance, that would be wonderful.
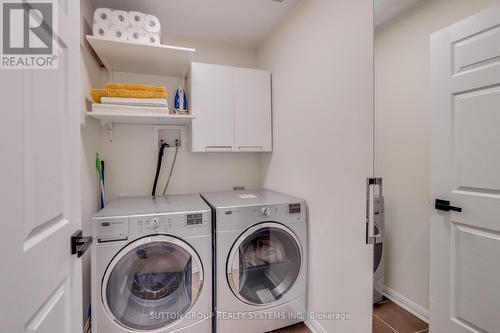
(265, 211)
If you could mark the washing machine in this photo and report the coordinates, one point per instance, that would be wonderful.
(152, 266)
(260, 260)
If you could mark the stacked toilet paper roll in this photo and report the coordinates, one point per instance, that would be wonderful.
(121, 25)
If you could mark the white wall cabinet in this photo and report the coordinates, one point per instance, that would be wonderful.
(212, 99)
(232, 109)
(252, 110)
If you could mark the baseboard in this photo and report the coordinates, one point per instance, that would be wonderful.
(407, 304)
(314, 326)
(87, 328)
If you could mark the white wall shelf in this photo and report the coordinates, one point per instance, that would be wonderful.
(108, 118)
(125, 56)
(152, 118)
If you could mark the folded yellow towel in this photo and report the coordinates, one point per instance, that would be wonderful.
(142, 87)
(135, 93)
(97, 94)
(155, 92)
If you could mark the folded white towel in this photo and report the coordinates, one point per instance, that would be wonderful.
(98, 107)
(155, 102)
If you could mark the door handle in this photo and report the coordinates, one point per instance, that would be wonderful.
(374, 209)
(80, 244)
(445, 205)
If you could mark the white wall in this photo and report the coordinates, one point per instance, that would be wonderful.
(132, 156)
(402, 67)
(218, 53)
(321, 62)
(91, 75)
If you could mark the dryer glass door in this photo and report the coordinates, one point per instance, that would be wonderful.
(152, 283)
(264, 263)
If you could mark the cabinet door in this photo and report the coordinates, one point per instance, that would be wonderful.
(212, 96)
(252, 110)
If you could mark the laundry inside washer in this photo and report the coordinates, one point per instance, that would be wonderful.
(157, 274)
(156, 278)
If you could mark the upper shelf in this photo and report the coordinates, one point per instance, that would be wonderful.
(125, 56)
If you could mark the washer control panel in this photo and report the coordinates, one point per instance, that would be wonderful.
(120, 229)
(265, 211)
(149, 224)
(174, 224)
(194, 219)
(294, 208)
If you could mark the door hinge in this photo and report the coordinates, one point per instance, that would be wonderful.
(374, 210)
(80, 244)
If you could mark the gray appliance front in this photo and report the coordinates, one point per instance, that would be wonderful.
(150, 283)
(262, 267)
(264, 263)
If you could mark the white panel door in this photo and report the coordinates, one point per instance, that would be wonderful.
(40, 194)
(212, 104)
(252, 110)
(465, 246)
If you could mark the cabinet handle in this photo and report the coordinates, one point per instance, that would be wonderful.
(251, 147)
(218, 148)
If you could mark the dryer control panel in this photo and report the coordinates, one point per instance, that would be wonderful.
(237, 218)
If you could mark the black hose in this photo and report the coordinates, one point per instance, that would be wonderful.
(158, 167)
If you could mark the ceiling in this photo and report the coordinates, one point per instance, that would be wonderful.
(387, 9)
(241, 22)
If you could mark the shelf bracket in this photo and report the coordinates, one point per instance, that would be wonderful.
(109, 130)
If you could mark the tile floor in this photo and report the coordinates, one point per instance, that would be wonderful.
(387, 318)
(391, 318)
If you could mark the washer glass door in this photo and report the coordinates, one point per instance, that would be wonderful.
(264, 263)
(152, 283)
